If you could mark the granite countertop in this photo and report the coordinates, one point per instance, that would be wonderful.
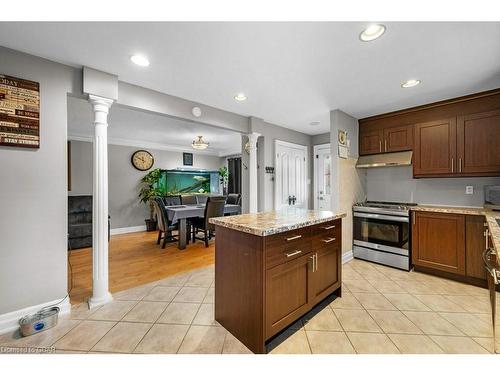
(272, 222)
(491, 218)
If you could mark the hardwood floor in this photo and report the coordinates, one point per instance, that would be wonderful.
(135, 259)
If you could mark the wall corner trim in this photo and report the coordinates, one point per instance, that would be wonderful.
(347, 256)
(10, 321)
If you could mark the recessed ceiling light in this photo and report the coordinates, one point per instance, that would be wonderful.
(410, 83)
(314, 123)
(140, 60)
(240, 97)
(372, 32)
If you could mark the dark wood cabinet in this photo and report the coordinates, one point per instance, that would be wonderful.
(327, 253)
(288, 293)
(435, 148)
(438, 241)
(265, 283)
(458, 137)
(398, 138)
(475, 243)
(449, 245)
(478, 143)
(370, 142)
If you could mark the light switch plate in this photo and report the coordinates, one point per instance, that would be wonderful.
(469, 190)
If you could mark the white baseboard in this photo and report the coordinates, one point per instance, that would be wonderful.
(346, 257)
(10, 321)
(139, 228)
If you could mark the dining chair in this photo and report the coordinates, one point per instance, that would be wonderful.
(213, 208)
(172, 200)
(188, 199)
(165, 227)
(233, 198)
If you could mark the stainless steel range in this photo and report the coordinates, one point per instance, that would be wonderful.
(381, 232)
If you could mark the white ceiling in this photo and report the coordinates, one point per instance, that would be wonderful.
(292, 73)
(147, 130)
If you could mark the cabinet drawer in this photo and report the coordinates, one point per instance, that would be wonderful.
(326, 234)
(283, 247)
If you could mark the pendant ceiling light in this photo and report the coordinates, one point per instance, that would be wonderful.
(199, 144)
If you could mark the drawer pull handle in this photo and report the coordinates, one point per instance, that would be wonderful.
(329, 227)
(294, 238)
(329, 240)
(288, 255)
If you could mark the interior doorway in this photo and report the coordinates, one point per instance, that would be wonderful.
(322, 177)
(290, 175)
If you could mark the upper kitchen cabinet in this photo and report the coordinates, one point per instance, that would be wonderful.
(435, 148)
(398, 138)
(478, 143)
(370, 142)
(458, 137)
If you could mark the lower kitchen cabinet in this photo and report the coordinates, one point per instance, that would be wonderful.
(438, 241)
(288, 293)
(451, 244)
(475, 243)
(326, 275)
(263, 284)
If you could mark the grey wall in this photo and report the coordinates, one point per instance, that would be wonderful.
(397, 184)
(124, 208)
(349, 183)
(320, 139)
(33, 214)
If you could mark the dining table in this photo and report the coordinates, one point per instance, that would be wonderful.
(180, 214)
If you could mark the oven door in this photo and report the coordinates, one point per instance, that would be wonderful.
(382, 232)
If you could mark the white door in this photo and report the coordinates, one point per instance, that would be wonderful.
(322, 177)
(290, 175)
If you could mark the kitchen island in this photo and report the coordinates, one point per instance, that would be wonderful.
(271, 268)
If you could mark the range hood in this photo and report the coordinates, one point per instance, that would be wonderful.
(393, 159)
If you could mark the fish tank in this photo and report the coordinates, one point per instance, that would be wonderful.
(187, 181)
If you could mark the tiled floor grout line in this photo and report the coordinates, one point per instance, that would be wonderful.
(191, 324)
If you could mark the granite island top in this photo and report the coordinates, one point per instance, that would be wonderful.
(491, 218)
(272, 222)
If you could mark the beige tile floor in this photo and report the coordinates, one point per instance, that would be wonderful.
(383, 310)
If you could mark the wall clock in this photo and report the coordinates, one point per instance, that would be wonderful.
(142, 160)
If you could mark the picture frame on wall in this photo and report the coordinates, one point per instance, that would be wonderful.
(187, 159)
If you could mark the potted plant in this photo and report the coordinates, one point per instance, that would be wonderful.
(223, 178)
(148, 191)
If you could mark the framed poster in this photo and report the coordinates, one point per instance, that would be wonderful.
(187, 158)
(19, 112)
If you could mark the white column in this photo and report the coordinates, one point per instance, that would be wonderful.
(100, 284)
(252, 171)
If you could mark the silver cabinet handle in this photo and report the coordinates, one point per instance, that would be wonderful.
(385, 145)
(452, 164)
(329, 227)
(288, 255)
(294, 238)
(314, 261)
(316, 255)
(380, 145)
(329, 240)
(460, 165)
(486, 234)
(491, 270)
(414, 219)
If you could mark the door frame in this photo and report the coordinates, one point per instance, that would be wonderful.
(317, 148)
(278, 142)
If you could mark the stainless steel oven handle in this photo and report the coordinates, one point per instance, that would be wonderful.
(486, 260)
(403, 219)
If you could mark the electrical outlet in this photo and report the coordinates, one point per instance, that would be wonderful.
(469, 190)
